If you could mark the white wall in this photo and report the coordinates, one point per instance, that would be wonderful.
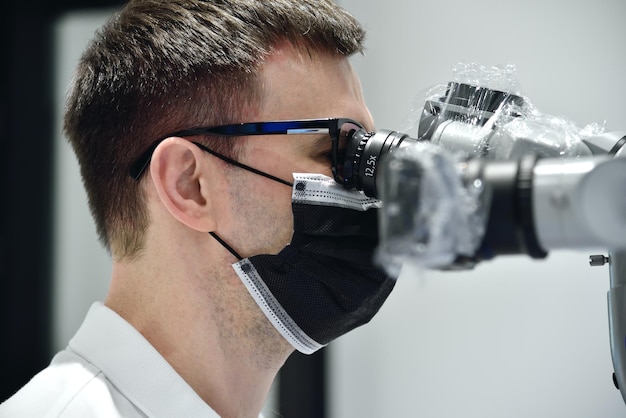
(514, 337)
(82, 268)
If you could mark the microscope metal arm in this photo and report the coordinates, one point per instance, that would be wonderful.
(603, 193)
(597, 193)
(617, 317)
(612, 143)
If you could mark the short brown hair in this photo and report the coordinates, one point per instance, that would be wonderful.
(158, 66)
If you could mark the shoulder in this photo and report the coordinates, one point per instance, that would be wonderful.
(68, 387)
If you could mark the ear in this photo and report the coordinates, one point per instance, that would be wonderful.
(181, 176)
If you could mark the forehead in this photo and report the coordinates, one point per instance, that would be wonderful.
(299, 85)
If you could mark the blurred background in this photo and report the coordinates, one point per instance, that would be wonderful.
(514, 337)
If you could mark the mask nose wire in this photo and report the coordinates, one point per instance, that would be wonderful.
(245, 167)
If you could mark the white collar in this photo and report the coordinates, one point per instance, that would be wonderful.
(135, 367)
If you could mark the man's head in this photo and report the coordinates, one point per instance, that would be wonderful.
(161, 66)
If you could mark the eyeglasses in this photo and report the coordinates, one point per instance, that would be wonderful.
(339, 130)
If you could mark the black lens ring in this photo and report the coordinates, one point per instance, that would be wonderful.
(363, 157)
(352, 159)
(525, 206)
(358, 158)
(376, 148)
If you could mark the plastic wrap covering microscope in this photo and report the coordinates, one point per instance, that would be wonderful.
(486, 174)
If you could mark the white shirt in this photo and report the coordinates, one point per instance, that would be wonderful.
(108, 370)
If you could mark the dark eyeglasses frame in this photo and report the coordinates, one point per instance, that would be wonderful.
(331, 126)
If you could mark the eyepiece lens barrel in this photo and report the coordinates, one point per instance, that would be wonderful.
(364, 155)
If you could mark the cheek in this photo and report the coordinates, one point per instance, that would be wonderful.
(281, 157)
(261, 211)
(271, 158)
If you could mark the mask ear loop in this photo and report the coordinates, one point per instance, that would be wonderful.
(228, 247)
(245, 167)
(241, 165)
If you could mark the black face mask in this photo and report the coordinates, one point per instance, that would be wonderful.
(324, 283)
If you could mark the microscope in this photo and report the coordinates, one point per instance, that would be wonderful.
(486, 175)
